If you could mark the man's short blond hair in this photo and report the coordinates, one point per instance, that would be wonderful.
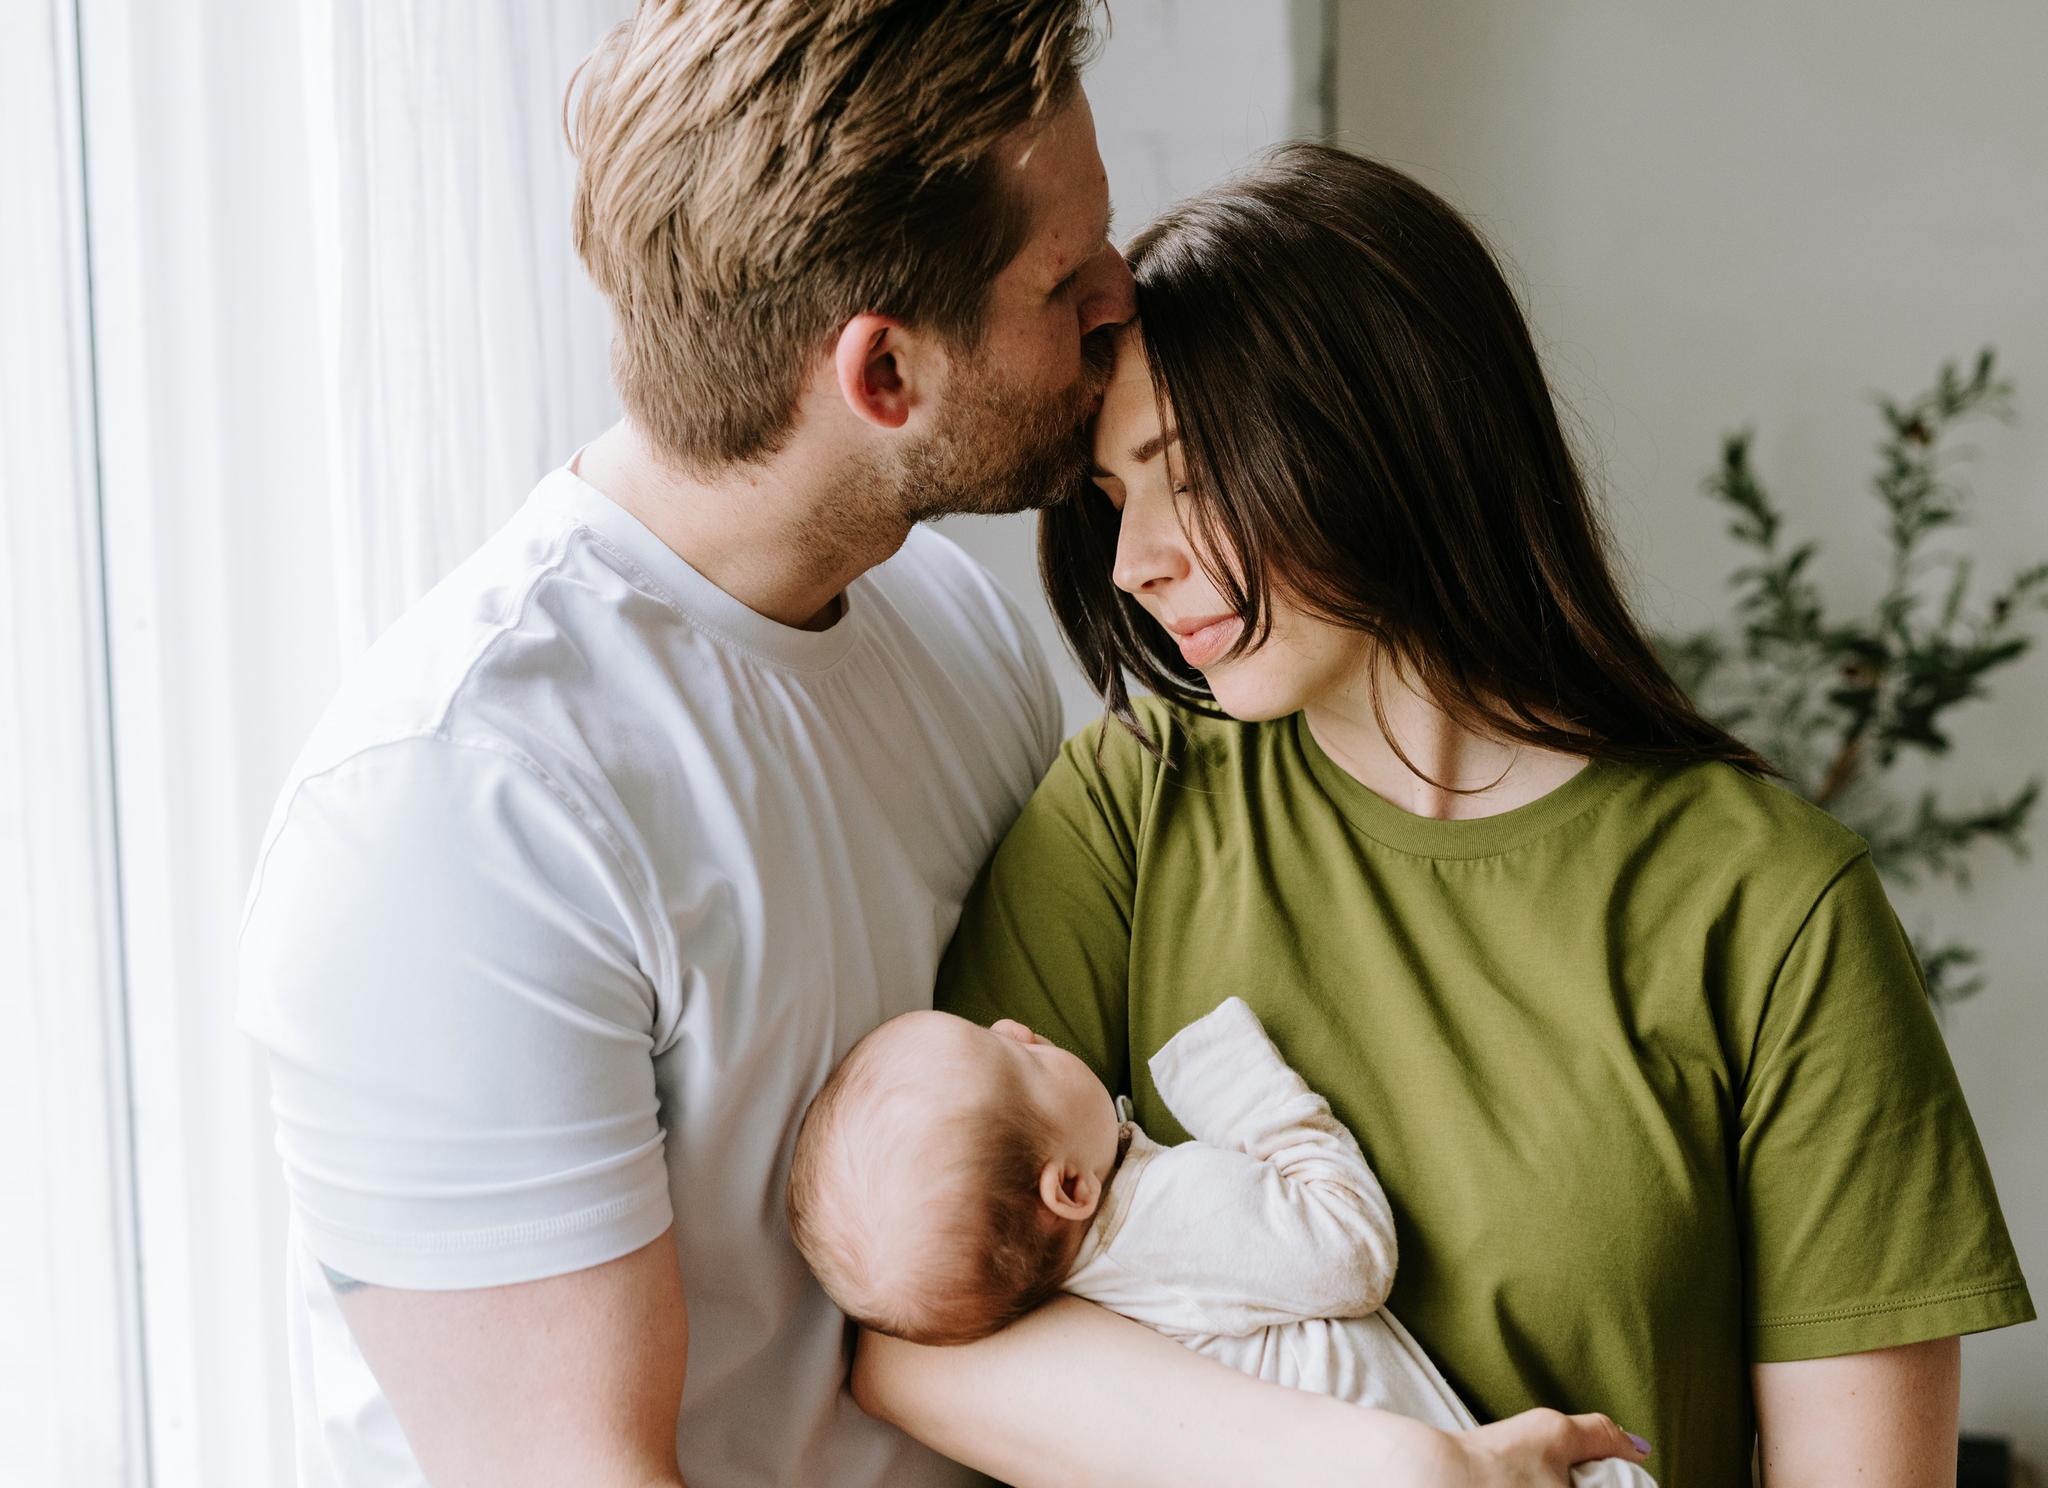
(754, 173)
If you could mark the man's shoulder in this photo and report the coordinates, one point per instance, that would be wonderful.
(404, 684)
(479, 701)
(519, 649)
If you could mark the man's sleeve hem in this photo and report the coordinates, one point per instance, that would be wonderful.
(1856, 1330)
(497, 1256)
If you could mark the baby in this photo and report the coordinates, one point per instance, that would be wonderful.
(950, 1178)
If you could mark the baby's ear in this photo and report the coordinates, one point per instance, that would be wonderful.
(1070, 1192)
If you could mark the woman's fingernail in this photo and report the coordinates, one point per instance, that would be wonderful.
(1637, 1442)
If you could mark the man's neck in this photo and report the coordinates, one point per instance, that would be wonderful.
(778, 537)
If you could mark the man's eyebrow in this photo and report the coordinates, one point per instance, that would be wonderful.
(1108, 222)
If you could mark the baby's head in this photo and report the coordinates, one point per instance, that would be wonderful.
(946, 1173)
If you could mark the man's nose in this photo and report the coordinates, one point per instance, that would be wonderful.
(1112, 296)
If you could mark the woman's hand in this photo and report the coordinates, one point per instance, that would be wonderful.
(1536, 1449)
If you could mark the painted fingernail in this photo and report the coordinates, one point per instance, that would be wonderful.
(1637, 1442)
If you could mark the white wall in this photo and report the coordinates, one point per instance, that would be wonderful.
(1183, 93)
(1752, 212)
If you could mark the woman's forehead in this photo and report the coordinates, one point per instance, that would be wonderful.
(1129, 418)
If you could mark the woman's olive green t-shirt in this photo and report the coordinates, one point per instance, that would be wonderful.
(1646, 1065)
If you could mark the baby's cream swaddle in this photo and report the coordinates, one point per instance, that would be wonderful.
(1267, 1243)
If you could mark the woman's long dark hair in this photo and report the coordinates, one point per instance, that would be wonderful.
(1367, 429)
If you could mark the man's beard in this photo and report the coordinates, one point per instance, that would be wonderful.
(1000, 450)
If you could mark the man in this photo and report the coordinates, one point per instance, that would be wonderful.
(624, 834)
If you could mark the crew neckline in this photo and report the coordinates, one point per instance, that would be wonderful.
(1121, 1190)
(1469, 837)
(697, 598)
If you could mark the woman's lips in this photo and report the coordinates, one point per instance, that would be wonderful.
(1200, 647)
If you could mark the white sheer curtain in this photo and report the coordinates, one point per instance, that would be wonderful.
(70, 1371)
(336, 333)
(462, 348)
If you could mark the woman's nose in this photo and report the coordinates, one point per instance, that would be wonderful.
(1151, 548)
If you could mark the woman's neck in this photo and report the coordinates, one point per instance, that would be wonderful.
(1487, 775)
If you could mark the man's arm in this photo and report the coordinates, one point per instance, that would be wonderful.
(575, 1379)
(445, 963)
(1076, 1397)
(1883, 1419)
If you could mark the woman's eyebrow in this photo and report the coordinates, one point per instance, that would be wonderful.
(1142, 452)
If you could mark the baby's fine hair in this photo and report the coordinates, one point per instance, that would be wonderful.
(991, 1251)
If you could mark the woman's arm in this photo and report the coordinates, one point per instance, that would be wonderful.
(1885, 1419)
(1074, 1396)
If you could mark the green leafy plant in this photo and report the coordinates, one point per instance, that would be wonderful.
(1837, 703)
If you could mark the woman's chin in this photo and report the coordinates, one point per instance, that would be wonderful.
(1245, 700)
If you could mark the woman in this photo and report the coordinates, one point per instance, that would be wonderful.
(1630, 1033)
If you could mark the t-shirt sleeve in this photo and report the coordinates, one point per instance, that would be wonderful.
(1045, 934)
(1277, 1215)
(1870, 1216)
(445, 959)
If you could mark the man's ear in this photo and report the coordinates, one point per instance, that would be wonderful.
(876, 362)
(1069, 1191)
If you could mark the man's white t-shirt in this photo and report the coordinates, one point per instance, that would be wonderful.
(582, 885)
